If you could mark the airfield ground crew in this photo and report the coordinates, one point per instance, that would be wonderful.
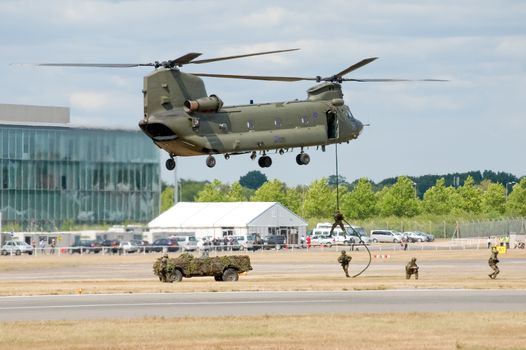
(492, 262)
(163, 268)
(338, 221)
(411, 269)
(344, 260)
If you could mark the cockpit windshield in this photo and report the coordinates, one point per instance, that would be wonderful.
(347, 112)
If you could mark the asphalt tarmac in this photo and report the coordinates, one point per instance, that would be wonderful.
(114, 306)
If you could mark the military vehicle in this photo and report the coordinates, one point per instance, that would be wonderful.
(222, 268)
(181, 118)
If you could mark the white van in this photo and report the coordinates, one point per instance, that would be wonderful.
(386, 236)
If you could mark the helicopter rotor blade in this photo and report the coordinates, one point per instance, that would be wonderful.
(253, 77)
(208, 60)
(391, 80)
(355, 66)
(97, 65)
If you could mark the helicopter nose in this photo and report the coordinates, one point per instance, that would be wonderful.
(157, 131)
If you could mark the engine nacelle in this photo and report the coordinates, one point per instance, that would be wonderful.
(203, 104)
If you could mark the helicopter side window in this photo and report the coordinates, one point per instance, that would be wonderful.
(277, 123)
(250, 125)
(304, 120)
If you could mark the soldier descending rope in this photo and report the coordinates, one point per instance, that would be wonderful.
(338, 221)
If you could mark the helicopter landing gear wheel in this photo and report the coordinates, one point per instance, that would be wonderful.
(170, 164)
(253, 155)
(265, 161)
(302, 159)
(210, 161)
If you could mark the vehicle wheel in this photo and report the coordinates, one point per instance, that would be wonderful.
(210, 161)
(18, 252)
(278, 247)
(328, 245)
(395, 240)
(30, 253)
(298, 161)
(420, 240)
(177, 276)
(230, 275)
(3, 252)
(218, 278)
(304, 158)
(170, 164)
(375, 240)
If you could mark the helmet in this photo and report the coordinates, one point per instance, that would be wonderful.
(343, 251)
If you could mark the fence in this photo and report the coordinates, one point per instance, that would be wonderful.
(490, 228)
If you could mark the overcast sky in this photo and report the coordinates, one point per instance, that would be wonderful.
(474, 122)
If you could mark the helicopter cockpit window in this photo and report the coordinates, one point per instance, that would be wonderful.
(277, 123)
(348, 112)
(250, 125)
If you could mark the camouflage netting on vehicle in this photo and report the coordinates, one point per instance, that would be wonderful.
(210, 266)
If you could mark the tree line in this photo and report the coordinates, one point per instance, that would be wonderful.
(489, 194)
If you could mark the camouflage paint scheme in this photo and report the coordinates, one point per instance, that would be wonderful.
(221, 267)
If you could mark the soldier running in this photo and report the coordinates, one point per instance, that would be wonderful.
(411, 269)
(492, 262)
(163, 268)
(338, 221)
(344, 260)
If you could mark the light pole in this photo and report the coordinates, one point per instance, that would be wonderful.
(509, 183)
(414, 187)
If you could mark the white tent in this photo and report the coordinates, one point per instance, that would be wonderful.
(219, 219)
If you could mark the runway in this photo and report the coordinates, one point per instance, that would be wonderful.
(114, 306)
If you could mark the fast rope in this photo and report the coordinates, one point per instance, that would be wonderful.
(343, 219)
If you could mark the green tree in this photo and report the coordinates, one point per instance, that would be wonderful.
(360, 203)
(237, 193)
(295, 198)
(167, 198)
(399, 199)
(516, 204)
(213, 192)
(253, 179)
(469, 197)
(494, 198)
(188, 189)
(319, 200)
(271, 191)
(437, 199)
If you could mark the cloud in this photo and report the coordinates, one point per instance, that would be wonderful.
(88, 100)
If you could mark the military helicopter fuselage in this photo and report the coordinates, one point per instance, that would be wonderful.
(182, 119)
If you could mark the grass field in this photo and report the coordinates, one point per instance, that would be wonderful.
(273, 271)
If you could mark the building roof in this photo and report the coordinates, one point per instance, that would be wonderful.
(215, 214)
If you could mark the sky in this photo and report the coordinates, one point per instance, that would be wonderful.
(476, 121)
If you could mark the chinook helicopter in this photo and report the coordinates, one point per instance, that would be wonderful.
(181, 118)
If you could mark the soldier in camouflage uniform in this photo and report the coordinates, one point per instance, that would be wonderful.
(344, 260)
(492, 262)
(411, 269)
(163, 268)
(338, 221)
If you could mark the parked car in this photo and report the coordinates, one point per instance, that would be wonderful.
(164, 244)
(128, 247)
(141, 245)
(86, 246)
(324, 240)
(429, 236)
(352, 234)
(16, 248)
(254, 241)
(186, 243)
(110, 245)
(274, 242)
(242, 240)
(386, 236)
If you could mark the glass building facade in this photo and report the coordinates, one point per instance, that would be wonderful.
(50, 175)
